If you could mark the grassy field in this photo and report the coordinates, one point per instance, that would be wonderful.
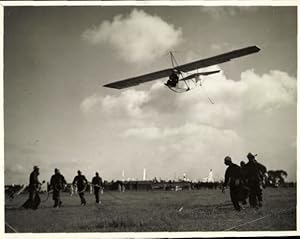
(196, 210)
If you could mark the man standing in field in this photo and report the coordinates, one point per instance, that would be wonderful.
(80, 182)
(97, 184)
(255, 173)
(233, 179)
(57, 183)
(244, 190)
(34, 184)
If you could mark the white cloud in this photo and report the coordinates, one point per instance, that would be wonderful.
(269, 91)
(188, 127)
(137, 37)
(89, 103)
(232, 99)
(127, 104)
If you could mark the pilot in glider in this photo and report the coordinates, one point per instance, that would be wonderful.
(180, 77)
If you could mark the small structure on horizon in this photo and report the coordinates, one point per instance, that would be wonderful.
(123, 174)
(210, 178)
(144, 175)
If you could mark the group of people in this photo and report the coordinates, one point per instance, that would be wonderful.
(57, 184)
(245, 181)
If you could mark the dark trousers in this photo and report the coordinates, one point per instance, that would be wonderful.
(34, 199)
(56, 198)
(96, 192)
(243, 194)
(260, 193)
(234, 195)
(82, 199)
(255, 194)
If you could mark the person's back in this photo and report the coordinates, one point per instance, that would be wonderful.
(233, 179)
(233, 175)
(262, 171)
(252, 172)
(254, 175)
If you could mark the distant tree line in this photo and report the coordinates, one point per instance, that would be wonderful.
(275, 178)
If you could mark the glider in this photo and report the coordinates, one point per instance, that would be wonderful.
(181, 73)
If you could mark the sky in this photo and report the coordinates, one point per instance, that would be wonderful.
(58, 115)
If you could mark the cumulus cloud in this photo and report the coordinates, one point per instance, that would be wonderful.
(269, 91)
(127, 104)
(137, 37)
(187, 126)
(232, 98)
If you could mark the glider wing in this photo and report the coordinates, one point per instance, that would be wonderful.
(217, 59)
(185, 68)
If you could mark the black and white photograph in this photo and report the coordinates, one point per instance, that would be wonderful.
(149, 119)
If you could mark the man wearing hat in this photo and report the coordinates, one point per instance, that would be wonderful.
(57, 183)
(81, 183)
(34, 199)
(254, 175)
(233, 179)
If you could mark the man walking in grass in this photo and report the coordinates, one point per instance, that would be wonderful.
(81, 183)
(97, 184)
(233, 179)
(255, 173)
(34, 184)
(57, 183)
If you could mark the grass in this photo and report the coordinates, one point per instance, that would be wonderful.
(201, 210)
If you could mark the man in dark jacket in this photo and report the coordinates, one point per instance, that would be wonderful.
(57, 183)
(34, 184)
(233, 179)
(97, 184)
(244, 193)
(255, 175)
(81, 183)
